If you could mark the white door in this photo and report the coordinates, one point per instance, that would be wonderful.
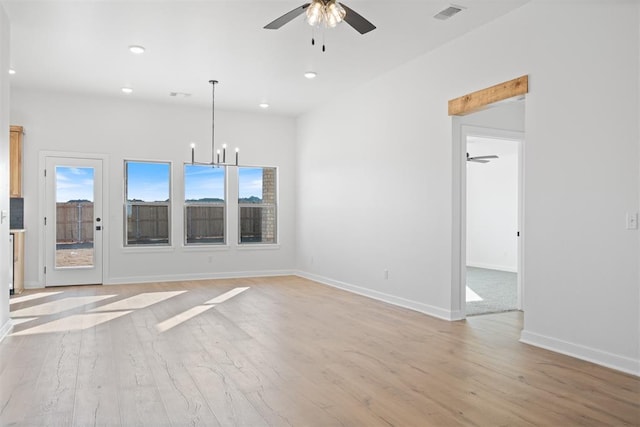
(73, 221)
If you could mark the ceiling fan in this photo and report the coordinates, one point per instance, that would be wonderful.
(481, 159)
(325, 12)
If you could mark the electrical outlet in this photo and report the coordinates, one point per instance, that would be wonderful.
(632, 221)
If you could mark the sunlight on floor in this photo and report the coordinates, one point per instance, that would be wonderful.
(24, 298)
(227, 295)
(199, 309)
(137, 301)
(182, 317)
(97, 315)
(76, 322)
(58, 306)
(472, 296)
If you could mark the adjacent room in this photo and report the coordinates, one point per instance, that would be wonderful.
(366, 213)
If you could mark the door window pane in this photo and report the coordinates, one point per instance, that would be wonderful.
(204, 204)
(74, 188)
(147, 203)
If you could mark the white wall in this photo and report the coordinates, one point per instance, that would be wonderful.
(492, 205)
(124, 128)
(5, 321)
(375, 187)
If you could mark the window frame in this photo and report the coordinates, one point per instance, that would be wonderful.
(207, 204)
(261, 206)
(168, 204)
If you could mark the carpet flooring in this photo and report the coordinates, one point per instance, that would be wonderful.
(492, 291)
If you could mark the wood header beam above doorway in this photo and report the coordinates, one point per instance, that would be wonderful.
(478, 100)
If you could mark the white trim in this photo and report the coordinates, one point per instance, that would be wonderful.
(6, 329)
(430, 310)
(257, 246)
(613, 361)
(198, 276)
(459, 209)
(42, 164)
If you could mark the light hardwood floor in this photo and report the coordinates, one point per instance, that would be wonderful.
(284, 352)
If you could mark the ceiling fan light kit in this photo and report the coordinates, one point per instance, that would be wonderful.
(330, 13)
(215, 154)
(325, 13)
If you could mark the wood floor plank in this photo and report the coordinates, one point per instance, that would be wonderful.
(285, 351)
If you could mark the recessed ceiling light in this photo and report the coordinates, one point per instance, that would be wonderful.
(136, 49)
(127, 90)
(310, 74)
(12, 71)
(264, 105)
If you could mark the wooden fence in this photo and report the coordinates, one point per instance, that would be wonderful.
(205, 224)
(149, 223)
(74, 222)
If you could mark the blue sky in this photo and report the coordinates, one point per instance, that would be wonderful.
(149, 182)
(250, 182)
(202, 182)
(74, 184)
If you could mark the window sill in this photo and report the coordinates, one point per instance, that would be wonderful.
(147, 249)
(258, 246)
(205, 248)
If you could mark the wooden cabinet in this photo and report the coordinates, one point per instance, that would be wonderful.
(18, 261)
(15, 162)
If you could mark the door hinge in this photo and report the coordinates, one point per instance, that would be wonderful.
(518, 234)
(45, 220)
(45, 173)
(45, 269)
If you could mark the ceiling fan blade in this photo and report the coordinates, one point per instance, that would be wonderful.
(289, 16)
(356, 20)
(475, 160)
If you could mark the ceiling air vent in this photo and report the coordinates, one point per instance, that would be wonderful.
(448, 12)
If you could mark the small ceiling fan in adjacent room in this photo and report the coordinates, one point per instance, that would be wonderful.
(481, 159)
(326, 13)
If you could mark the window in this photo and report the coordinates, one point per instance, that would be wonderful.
(257, 204)
(147, 203)
(204, 205)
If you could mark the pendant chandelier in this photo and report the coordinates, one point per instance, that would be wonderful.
(218, 157)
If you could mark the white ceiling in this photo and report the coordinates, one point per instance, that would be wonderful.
(81, 46)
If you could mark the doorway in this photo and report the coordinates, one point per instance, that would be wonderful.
(492, 224)
(73, 221)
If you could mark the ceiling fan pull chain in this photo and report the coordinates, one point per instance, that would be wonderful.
(313, 37)
(323, 48)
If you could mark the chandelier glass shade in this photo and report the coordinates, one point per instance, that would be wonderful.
(325, 12)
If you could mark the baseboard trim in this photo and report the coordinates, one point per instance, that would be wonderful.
(599, 357)
(6, 329)
(381, 296)
(197, 276)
